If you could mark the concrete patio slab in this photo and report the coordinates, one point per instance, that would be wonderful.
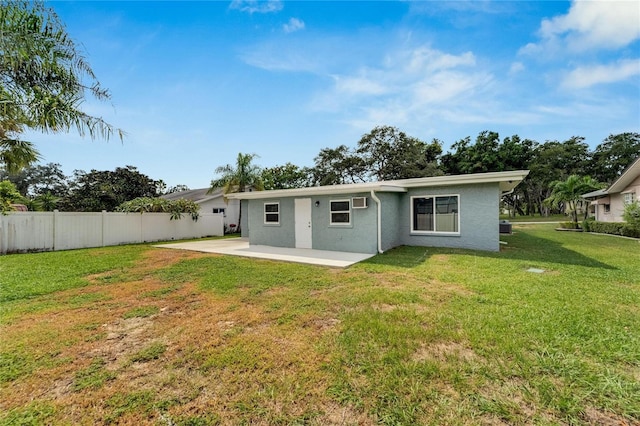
(241, 247)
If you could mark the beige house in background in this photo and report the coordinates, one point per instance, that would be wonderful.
(607, 205)
(210, 203)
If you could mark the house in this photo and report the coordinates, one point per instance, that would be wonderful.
(443, 211)
(607, 205)
(210, 203)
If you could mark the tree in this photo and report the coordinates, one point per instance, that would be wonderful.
(8, 196)
(390, 154)
(569, 192)
(45, 79)
(40, 179)
(238, 178)
(613, 155)
(286, 177)
(105, 190)
(336, 166)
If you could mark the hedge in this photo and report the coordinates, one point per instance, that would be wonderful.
(614, 228)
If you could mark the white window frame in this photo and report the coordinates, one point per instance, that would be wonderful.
(435, 231)
(221, 210)
(628, 198)
(265, 212)
(331, 212)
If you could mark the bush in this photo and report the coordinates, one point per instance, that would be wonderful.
(586, 224)
(569, 225)
(631, 215)
(159, 205)
(614, 228)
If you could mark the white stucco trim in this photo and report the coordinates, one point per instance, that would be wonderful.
(507, 181)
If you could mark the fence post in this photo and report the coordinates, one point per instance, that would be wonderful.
(104, 224)
(55, 225)
(4, 238)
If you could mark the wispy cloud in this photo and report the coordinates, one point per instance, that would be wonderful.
(293, 25)
(587, 76)
(407, 86)
(256, 6)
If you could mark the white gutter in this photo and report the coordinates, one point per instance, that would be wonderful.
(379, 204)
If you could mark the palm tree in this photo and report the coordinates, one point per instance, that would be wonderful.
(570, 192)
(45, 79)
(238, 178)
(15, 154)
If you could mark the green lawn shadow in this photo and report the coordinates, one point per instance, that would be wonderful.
(520, 246)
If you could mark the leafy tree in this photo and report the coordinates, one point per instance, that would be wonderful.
(40, 179)
(553, 161)
(338, 166)
(8, 195)
(389, 154)
(569, 192)
(237, 178)
(613, 155)
(45, 79)
(286, 177)
(105, 190)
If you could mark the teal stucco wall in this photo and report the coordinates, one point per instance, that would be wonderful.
(478, 208)
(479, 218)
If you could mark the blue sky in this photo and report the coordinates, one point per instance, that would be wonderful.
(194, 83)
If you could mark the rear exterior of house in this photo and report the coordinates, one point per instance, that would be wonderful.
(443, 211)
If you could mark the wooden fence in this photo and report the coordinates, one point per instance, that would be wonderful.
(46, 231)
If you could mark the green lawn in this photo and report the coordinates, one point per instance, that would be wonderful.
(414, 336)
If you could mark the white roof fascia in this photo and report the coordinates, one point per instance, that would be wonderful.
(625, 179)
(507, 181)
(318, 190)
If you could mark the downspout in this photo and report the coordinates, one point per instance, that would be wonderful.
(379, 204)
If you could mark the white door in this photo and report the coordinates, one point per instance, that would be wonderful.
(303, 222)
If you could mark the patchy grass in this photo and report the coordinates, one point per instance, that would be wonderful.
(414, 336)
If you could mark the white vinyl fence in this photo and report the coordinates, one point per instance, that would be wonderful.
(46, 231)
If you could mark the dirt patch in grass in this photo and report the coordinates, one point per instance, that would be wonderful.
(217, 356)
(441, 351)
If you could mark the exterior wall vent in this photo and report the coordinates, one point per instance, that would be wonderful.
(359, 202)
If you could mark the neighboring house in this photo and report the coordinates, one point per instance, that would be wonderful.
(210, 203)
(443, 211)
(607, 205)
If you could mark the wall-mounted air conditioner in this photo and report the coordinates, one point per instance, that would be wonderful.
(359, 202)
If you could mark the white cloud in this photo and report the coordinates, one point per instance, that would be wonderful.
(594, 25)
(587, 76)
(256, 6)
(409, 85)
(293, 25)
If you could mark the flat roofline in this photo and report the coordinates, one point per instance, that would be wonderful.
(507, 181)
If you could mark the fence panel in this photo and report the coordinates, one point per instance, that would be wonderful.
(37, 231)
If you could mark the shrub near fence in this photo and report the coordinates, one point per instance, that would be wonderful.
(46, 231)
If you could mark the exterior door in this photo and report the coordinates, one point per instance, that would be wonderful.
(303, 222)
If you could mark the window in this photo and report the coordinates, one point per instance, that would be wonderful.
(272, 213)
(607, 208)
(435, 214)
(629, 198)
(340, 212)
(219, 210)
